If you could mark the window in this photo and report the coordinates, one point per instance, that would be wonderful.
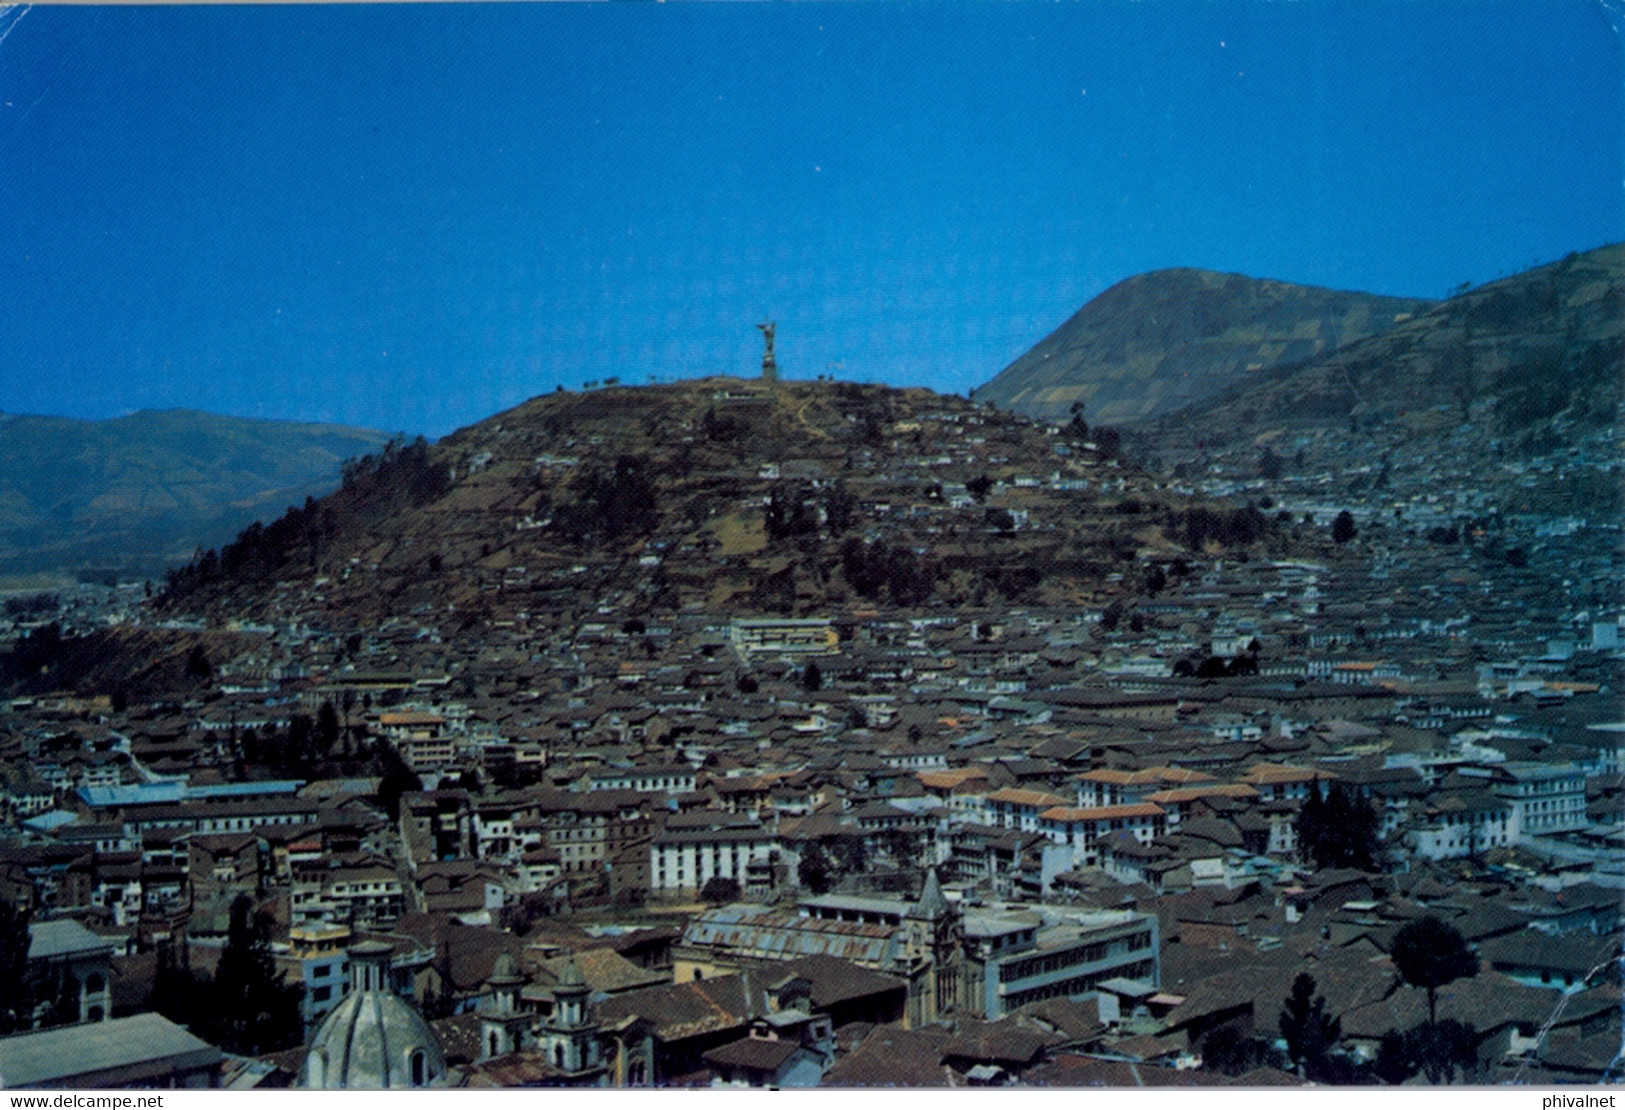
(418, 1066)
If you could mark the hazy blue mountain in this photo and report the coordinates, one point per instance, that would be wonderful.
(144, 491)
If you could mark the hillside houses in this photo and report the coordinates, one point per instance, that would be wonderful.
(647, 799)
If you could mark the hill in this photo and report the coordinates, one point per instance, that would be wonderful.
(145, 491)
(1160, 342)
(1481, 387)
(718, 495)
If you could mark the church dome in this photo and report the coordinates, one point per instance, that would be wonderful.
(373, 1040)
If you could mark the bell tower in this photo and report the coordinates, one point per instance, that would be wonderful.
(502, 1027)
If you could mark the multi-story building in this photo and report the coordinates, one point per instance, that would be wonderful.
(1459, 823)
(1546, 798)
(1015, 808)
(665, 779)
(784, 636)
(1013, 957)
(317, 959)
(682, 861)
(363, 893)
(1083, 829)
(68, 962)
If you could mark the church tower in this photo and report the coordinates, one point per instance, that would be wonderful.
(503, 1026)
(569, 1036)
(935, 935)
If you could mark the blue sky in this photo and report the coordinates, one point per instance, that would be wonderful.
(413, 216)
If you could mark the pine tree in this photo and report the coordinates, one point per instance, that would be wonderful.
(1309, 1032)
(251, 1010)
(16, 998)
(1338, 829)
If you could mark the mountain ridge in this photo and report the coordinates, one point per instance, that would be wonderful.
(1161, 341)
(144, 490)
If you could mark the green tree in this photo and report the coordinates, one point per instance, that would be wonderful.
(251, 1010)
(327, 726)
(1077, 428)
(719, 890)
(1310, 1033)
(396, 779)
(1338, 829)
(197, 663)
(1396, 1060)
(1430, 953)
(16, 998)
(177, 992)
(1343, 529)
(812, 678)
(816, 871)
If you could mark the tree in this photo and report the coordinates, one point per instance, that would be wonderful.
(979, 487)
(901, 845)
(327, 726)
(197, 663)
(815, 871)
(1343, 529)
(1308, 1030)
(839, 508)
(719, 890)
(1430, 953)
(1442, 1049)
(397, 779)
(1439, 1050)
(177, 992)
(1077, 427)
(1395, 1060)
(251, 1010)
(16, 999)
(1337, 829)
(1228, 1052)
(812, 678)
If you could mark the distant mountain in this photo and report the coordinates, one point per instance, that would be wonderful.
(1515, 368)
(1162, 341)
(145, 491)
(718, 495)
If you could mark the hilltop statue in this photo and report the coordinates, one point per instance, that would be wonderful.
(770, 366)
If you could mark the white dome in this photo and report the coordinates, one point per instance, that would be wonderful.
(373, 1040)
